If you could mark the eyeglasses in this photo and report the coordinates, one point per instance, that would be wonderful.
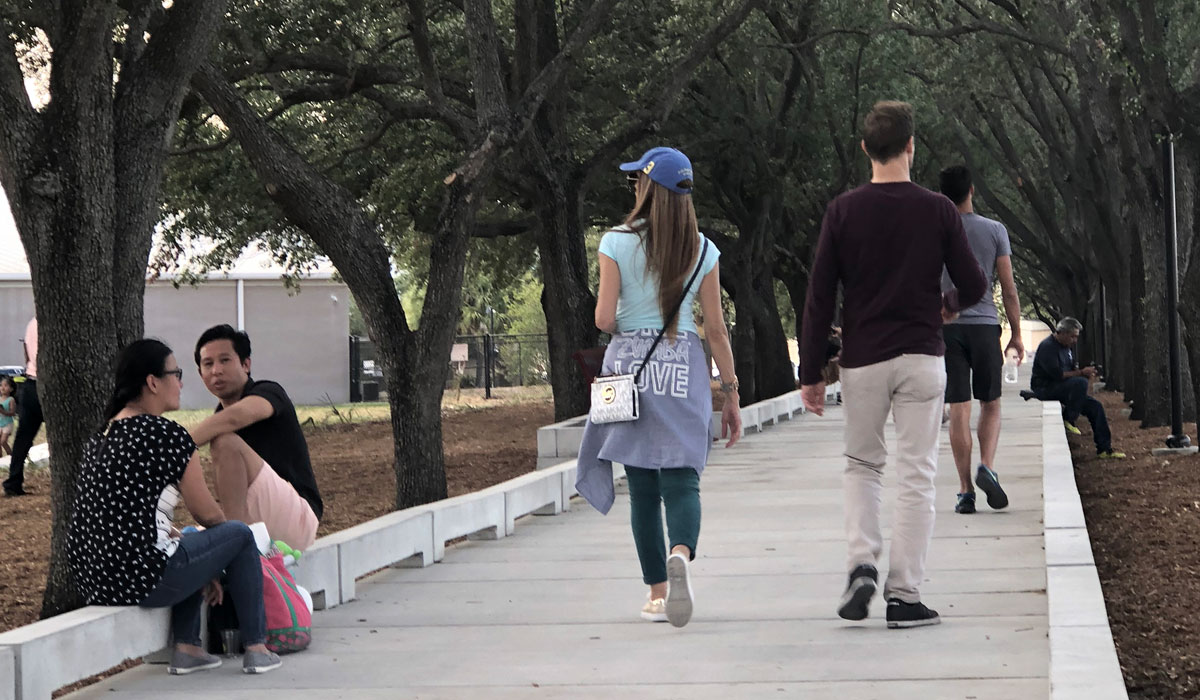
(631, 179)
(177, 372)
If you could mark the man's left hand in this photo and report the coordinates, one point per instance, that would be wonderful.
(813, 396)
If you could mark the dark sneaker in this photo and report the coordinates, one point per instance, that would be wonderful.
(183, 664)
(989, 483)
(859, 591)
(13, 493)
(260, 662)
(901, 615)
(966, 503)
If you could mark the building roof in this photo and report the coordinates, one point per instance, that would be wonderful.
(255, 263)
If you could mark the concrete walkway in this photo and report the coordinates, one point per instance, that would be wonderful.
(552, 611)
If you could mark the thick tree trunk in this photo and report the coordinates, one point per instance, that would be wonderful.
(773, 362)
(760, 350)
(1155, 366)
(416, 414)
(1137, 355)
(83, 178)
(796, 283)
(1190, 353)
(567, 298)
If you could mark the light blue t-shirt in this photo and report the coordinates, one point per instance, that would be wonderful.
(637, 303)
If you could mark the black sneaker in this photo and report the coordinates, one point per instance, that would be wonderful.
(901, 615)
(859, 592)
(989, 483)
(966, 503)
(13, 493)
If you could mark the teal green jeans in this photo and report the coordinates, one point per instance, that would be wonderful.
(649, 491)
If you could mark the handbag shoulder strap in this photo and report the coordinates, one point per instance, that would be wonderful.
(671, 317)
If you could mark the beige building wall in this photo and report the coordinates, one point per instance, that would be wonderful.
(16, 308)
(299, 337)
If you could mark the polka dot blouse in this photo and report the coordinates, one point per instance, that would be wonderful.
(120, 535)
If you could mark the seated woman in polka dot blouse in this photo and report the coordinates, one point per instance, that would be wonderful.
(123, 545)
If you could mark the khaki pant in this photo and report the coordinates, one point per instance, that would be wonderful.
(911, 387)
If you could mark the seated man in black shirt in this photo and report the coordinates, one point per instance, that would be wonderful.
(1055, 378)
(260, 458)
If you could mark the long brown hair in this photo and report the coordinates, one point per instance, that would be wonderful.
(666, 222)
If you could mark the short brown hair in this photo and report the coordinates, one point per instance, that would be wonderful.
(887, 129)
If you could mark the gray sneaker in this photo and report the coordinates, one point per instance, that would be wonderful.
(260, 662)
(183, 664)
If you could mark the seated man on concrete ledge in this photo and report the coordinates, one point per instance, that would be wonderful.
(260, 457)
(1056, 378)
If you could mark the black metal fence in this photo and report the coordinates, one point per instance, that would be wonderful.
(487, 361)
(476, 362)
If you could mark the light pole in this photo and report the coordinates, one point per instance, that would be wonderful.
(1176, 440)
(488, 352)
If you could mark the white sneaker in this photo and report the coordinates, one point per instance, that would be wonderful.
(679, 591)
(654, 610)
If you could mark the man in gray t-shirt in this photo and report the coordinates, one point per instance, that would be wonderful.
(974, 362)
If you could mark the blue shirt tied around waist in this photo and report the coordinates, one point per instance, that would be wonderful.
(637, 303)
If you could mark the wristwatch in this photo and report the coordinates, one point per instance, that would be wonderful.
(729, 387)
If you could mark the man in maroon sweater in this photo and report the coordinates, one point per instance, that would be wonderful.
(887, 243)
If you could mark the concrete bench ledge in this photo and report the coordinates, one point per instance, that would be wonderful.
(539, 493)
(402, 538)
(50, 654)
(478, 515)
(318, 571)
(8, 670)
(1083, 657)
(560, 442)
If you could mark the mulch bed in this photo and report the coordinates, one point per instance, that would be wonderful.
(353, 465)
(1143, 515)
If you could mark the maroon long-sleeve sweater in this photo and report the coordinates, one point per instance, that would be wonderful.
(886, 244)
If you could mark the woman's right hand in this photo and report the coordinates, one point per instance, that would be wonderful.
(731, 420)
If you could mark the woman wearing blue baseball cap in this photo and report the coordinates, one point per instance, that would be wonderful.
(652, 269)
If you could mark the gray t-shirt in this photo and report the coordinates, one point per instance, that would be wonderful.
(988, 240)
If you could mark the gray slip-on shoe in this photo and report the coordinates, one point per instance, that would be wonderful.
(260, 662)
(183, 664)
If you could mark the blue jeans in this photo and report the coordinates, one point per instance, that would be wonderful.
(1072, 393)
(201, 557)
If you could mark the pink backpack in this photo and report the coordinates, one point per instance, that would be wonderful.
(289, 623)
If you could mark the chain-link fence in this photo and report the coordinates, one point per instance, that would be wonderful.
(516, 360)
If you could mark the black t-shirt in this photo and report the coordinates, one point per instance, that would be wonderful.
(120, 536)
(280, 442)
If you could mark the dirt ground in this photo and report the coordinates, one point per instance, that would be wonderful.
(353, 466)
(1143, 515)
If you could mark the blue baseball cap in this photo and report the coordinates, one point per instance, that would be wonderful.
(666, 166)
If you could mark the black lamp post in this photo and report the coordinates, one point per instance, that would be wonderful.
(489, 350)
(1176, 440)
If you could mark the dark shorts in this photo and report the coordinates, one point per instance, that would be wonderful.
(974, 362)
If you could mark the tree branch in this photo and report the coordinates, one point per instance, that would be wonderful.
(989, 27)
(21, 121)
(326, 211)
(667, 91)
